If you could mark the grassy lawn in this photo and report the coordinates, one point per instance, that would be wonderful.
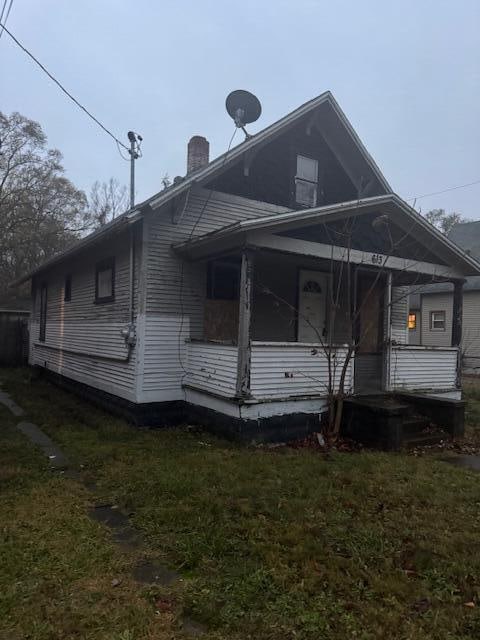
(277, 544)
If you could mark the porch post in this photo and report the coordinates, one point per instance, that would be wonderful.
(244, 315)
(457, 318)
(457, 312)
(387, 343)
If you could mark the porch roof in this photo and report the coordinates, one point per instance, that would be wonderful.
(240, 234)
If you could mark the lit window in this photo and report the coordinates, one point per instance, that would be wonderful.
(437, 320)
(306, 181)
(412, 321)
(105, 281)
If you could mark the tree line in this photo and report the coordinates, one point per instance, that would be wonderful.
(42, 212)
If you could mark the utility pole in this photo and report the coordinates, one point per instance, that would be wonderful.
(134, 155)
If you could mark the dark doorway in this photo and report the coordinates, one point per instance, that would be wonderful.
(369, 329)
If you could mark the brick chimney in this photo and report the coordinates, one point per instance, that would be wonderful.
(197, 153)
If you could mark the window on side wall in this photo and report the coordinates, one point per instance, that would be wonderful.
(412, 321)
(105, 281)
(306, 181)
(437, 320)
(67, 291)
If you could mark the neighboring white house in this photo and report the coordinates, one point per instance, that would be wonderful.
(431, 306)
(216, 297)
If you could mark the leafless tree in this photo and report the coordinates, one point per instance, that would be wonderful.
(341, 302)
(107, 200)
(442, 220)
(41, 212)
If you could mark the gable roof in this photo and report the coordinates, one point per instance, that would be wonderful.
(336, 119)
(467, 236)
(222, 162)
(404, 215)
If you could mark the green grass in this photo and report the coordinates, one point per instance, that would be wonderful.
(272, 544)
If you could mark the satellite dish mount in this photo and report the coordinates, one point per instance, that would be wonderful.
(243, 107)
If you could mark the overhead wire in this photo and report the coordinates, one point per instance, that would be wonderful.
(59, 84)
(6, 16)
(436, 193)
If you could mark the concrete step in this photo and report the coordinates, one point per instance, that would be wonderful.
(414, 425)
(425, 439)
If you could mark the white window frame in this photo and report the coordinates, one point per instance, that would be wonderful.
(442, 319)
(302, 179)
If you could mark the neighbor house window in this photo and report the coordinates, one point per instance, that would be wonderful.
(67, 292)
(412, 321)
(105, 281)
(437, 320)
(306, 181)
(223, 281)
(43, 312)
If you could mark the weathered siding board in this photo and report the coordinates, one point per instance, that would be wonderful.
(80, 325)
(400, 315)
(417, 368)
(174, 287)
(212, 367)
(471, 331)
(288, 370)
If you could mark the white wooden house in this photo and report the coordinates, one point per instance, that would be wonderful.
(431, 306)
(209, 300)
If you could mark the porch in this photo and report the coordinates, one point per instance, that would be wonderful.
(288, 316)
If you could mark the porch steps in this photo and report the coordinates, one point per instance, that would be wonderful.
(425, 439)
(392, 422)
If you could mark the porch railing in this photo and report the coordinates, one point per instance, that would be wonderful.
(212, 367)
(420, 368)
(281, 370)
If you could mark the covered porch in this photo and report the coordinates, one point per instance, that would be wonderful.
(290, 298)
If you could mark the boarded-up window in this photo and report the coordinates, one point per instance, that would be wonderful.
(221, 305)
(43, 313)
(412, 321)
(105, 281)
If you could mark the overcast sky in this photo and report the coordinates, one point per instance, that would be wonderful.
(406, 73)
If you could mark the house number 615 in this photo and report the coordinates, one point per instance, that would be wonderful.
(377, 258)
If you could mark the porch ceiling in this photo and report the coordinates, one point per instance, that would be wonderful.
(455, 262)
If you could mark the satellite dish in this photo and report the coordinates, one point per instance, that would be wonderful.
(243, 107)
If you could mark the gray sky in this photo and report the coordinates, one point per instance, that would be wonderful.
(406, 73)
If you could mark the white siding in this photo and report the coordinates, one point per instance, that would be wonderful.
(293, 369)
(437, 302)
(421, 368)
(212, 367)
(175, 287)
(82, 339)
(471, 331)
(400, 315)
(470, 327)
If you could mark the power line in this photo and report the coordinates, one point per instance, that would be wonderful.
(6, 16)
(436, 193)
(62, 87)
(3, 9)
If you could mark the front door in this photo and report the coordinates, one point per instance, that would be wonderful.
(369, 355)
(312, 306)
